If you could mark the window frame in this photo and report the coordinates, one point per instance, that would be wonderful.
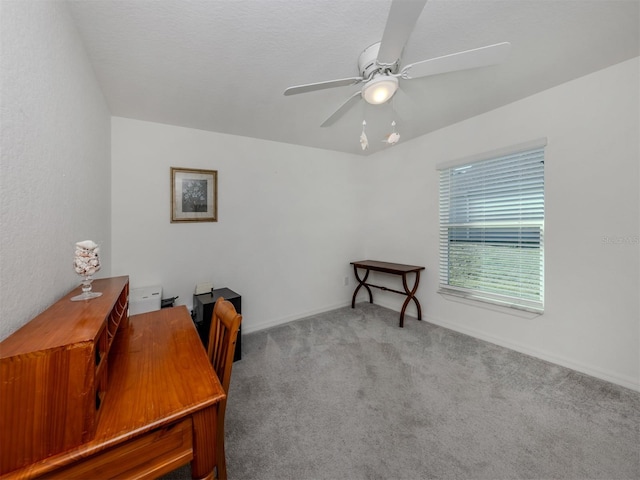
(518, 229)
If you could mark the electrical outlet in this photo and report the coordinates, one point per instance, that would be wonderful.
(346, 281)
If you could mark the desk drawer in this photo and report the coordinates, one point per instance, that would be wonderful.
(154, 454)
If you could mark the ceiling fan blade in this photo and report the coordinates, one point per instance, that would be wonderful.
(342, 110)
(403, 16)
(478, 57)
(312, 87)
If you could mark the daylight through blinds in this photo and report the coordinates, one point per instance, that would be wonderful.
(492, 229)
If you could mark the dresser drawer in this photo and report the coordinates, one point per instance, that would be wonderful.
(149, 456)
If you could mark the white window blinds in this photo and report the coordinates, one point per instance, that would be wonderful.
(492, 228)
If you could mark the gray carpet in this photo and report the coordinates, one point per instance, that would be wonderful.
(349, 395)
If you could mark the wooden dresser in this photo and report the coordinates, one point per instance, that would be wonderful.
(54, 374)
(88, 392)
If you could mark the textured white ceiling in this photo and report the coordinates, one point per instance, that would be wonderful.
(223, 65)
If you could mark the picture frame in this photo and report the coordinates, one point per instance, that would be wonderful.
(194, 195)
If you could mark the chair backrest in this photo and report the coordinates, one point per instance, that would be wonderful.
(225, 323)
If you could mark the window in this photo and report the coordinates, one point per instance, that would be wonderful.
(492, 227)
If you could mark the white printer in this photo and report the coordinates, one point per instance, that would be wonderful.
(145, 299)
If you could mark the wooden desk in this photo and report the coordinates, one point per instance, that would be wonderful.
(160, 411)
(393, 269)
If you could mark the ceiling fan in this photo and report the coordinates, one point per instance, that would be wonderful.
(379, 64)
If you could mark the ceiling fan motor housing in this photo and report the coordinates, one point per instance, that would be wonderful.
(368, 65)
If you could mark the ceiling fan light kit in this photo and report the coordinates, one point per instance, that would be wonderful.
(379, 89)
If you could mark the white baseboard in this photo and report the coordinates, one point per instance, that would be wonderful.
(624, 381)
(291, 318)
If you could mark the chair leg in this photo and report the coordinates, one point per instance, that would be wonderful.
(221, 463)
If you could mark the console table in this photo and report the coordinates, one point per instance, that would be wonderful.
(393, 269)
(155, 410)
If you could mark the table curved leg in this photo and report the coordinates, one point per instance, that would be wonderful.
(410, 296)
(360, 285)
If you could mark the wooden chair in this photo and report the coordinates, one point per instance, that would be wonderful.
(225, 323)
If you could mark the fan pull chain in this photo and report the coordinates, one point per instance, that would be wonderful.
(364, 141)
(393, 137)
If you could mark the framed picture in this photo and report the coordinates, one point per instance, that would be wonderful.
(194, 195)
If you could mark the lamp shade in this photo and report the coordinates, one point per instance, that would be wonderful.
(379, 89)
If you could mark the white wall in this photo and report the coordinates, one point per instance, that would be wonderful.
(54, 164)
(591, 319)
(291, 218)
(288, 220)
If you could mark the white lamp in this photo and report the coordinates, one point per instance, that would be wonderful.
(379, 89)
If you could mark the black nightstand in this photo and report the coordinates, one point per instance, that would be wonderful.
(203, 310)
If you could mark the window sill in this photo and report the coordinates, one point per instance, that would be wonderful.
(487, 304)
